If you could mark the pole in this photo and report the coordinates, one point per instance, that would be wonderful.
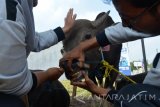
(144, 55)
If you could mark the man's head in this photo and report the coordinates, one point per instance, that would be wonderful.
(35, 2)
(141, 15)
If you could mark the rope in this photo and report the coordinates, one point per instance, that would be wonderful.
(108, 69)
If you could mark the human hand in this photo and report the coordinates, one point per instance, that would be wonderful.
(69, 21)
(54, 73)
(89, 85)
(69, 58)
(50, 74)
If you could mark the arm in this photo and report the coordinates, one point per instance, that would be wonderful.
(89, 85)
(78, 53)
(153, 75)
(49, 38)
(50, 74)
(112, 35)
(118, 34)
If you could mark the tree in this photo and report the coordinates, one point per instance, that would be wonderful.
(132, 66)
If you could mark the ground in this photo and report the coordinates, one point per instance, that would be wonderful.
(84, 98)
(89, 103)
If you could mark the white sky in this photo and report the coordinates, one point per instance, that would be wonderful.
(50, 14)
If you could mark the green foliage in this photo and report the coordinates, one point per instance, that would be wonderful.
(132, 66)
(149, 65)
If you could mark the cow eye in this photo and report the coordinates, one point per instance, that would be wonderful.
(88, 36)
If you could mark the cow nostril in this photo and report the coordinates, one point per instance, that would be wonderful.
(88, 36)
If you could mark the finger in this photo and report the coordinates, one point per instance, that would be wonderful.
(74, 76)
(85, 75)
(81, 60)
(73, 82)
(81, 63)
(61, 61)
(70, 13)
(67, 16)
(80, 84)
(61, 70)
(69, 65)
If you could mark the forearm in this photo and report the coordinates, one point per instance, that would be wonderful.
(89, 44)
(44, 40)
(118, 34)
(50, 74)
(102, 92)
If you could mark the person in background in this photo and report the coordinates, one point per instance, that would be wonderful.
(140, 19)
(17, 39)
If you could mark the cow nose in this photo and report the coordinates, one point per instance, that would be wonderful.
(88, 36)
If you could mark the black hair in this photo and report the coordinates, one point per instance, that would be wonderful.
(143, 3)
(139, 3)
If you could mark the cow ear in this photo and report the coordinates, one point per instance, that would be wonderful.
(100, 19)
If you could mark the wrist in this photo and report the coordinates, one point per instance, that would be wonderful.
(102, 39)
(65, 30)
(49, 73)
(54, 73)
(61, 71)
(102, 92)
(60, 33)
(89, 44)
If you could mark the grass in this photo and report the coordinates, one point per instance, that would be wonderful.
(85, 96)
(80, 91)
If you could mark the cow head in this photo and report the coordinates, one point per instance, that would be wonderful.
(84, 29)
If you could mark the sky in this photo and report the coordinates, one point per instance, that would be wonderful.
(50, 14)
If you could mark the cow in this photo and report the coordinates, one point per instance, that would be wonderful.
(84, 29)
(50, 93)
